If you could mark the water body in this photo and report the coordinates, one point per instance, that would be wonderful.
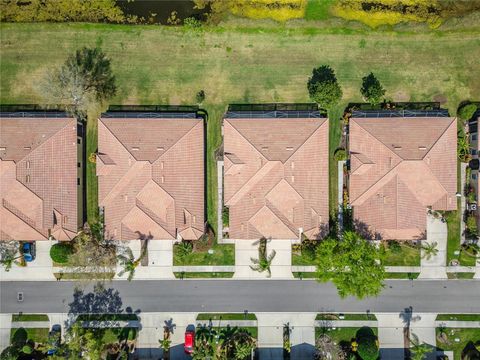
(159, 11)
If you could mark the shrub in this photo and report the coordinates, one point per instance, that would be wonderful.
(323, 87)
(27, 349)
(61, 252)
(467, 111)
(394, 246)
(309, 248)
(340, 155)
(367, 344)
(184, 248)
(62, 11)
(200, 97)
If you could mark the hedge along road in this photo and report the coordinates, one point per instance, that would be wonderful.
(454, 296)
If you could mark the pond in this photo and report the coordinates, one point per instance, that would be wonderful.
(159, 11)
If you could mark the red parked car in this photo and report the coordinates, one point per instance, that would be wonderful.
(189, 341)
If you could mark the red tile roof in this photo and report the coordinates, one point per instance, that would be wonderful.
(38, 172)
(399, 167)
(151, 177)
(276, 177)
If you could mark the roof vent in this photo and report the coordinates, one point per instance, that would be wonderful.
(3, 148)
(396, 147)
(160, 148)
(264, 148)
(422, 148)
(27, 148)
(135, 148)
(289, 148)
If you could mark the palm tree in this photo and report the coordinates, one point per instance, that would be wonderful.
(419, 350)
(129, 263)
(8, 253)
(264, 261)
(429, 250)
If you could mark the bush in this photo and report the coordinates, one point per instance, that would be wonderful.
(27, 349)
(367, 344)
(340, 155)
(184, 248)
(394, 246)
(309, 248)
(61, 252)
(200, 97)
(467, 111)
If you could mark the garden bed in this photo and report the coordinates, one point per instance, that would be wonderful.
(446, 340)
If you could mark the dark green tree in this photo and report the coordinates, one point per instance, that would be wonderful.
(82, 83)
(367, 344)
(323, 87)
(372, 90)
(353, 264)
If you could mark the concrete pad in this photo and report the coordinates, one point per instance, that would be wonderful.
(5, 325)
(390, 336)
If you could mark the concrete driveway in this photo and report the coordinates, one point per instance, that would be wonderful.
(435, 267)
(281, 267)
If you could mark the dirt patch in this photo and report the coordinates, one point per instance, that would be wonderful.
(441, 98)
(401, 96)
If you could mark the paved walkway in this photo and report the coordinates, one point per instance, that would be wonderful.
(270, 335)
(435, 267)
(30, 324)
(160, 260)
(281, 264)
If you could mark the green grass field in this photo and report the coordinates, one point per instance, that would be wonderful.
(464, 337)
(29, 317)
(408, 256)
(168, 65)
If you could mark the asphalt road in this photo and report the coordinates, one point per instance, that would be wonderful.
(457, 296)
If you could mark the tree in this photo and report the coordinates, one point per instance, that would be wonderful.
(429, 250)
(327, 349)
(367, 344)
(467, 111)
(94, 254)
(323, 87)
(419, 350)
(129, 263)
(83, 82)
(372, 90)
(83, 343)
(353, 264)
(8, 253)
(264, 261)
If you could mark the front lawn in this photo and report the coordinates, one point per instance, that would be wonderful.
(462, 275)
(404, 254)
(38, 335)
(447, 340)
(222, 255)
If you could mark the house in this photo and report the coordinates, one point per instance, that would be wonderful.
(150, 168)
(276, 174)
(401, 164)
(40, 176)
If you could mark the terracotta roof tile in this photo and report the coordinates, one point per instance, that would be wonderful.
(276, 177)
(38, 167)
(155, 174)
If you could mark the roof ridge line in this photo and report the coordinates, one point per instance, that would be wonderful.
(438, 139)
(19, 218)
(325, 121)
(179, 139)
